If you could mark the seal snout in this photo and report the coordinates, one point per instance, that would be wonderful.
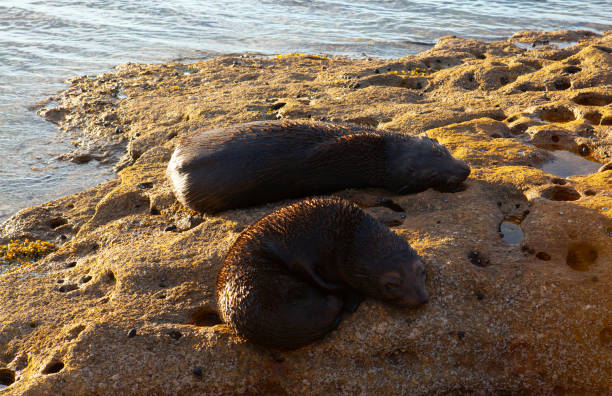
(466, 170)
(454, 180)
(423, 296)
(413, 299)
(462, 173)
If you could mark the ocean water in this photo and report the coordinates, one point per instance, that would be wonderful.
(44, 42)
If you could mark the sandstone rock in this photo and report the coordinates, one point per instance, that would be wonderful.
(137, 313)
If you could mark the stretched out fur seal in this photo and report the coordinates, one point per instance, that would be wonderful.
(289, 277)
(266, 161)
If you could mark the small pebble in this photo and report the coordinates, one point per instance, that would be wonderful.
(170, 228)
(85, 279)
(71, 264)
(479, 295)
(131, 333)
(543, 256)
(477, 258)
(175, 334)
(197, 371)
(584, 150)
(277, 357)
(460, 334)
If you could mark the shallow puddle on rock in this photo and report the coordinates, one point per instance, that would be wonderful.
(510, 230)
(562, 44)
(567, 164)
(537, 44)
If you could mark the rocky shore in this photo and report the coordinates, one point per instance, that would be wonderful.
(124, 302)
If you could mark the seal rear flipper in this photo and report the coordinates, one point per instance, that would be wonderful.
(289, 314)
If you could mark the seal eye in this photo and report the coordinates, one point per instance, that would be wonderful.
(392, 286)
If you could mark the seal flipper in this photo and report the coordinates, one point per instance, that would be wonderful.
(329, 286)
(300, 265)
(289, 314)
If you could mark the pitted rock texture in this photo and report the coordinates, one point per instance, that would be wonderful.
(126, 304)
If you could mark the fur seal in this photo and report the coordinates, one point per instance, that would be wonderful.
(289, 277)
(266, 161)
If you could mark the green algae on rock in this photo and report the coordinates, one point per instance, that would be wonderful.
(25, 251)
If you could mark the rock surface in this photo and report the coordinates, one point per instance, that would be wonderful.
(126, 304)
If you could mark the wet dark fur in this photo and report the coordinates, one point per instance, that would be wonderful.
(289, 277)
(260, 162)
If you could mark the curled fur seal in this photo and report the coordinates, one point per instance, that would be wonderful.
(259, 162)
(289, 277)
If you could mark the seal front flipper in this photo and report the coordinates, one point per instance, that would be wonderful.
(298, 264)
(318, 280)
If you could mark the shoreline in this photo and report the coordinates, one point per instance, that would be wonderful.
(130, 257)
(97, 153)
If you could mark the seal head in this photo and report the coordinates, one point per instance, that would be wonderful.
(420, 163)
(389, 269)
